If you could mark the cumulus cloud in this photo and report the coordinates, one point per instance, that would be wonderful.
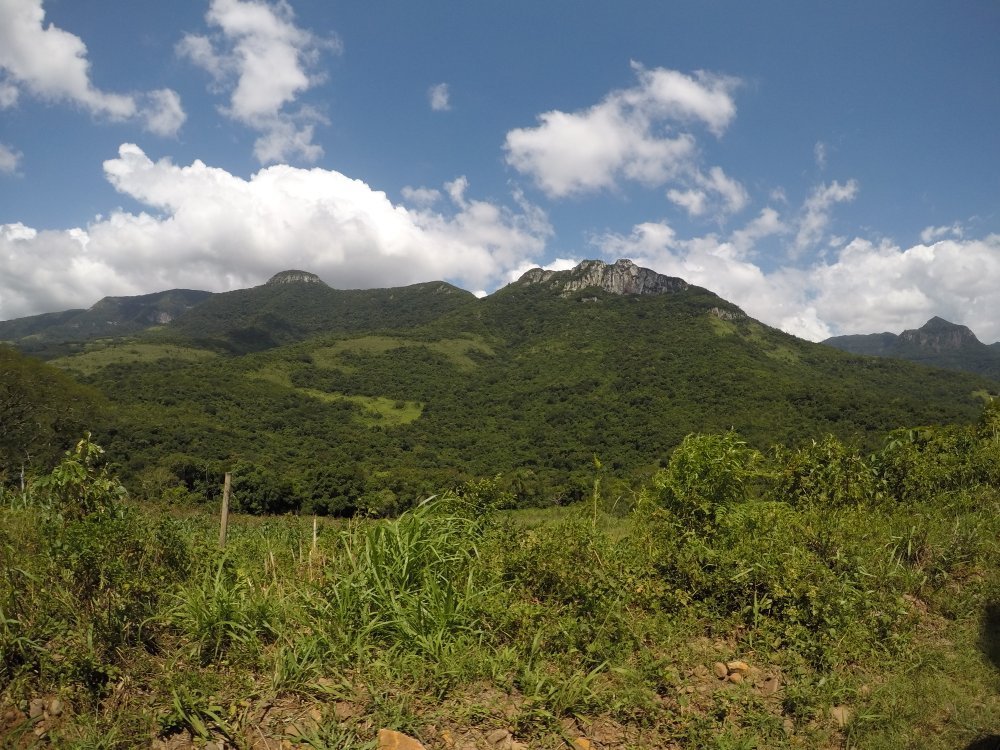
(633, 134)
(52, 64)
(9, 159)
(439, 97)
(264, 61)
(866, 287)
(205, 228)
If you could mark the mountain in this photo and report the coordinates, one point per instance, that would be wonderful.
(938, 343)
(346, 399)
(110, 317)
(294, 305)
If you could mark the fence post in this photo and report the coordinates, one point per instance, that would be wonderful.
(224, 523)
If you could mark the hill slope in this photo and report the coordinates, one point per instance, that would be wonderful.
(110, 317)
(531, 382)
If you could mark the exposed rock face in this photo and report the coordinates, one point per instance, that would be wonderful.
(294, 277)
(623, 277)
(938, 335)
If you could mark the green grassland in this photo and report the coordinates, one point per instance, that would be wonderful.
(100, 354)
(849, 600)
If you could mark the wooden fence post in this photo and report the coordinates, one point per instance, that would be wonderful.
(224, 523)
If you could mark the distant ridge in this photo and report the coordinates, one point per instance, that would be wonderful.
(937, 343)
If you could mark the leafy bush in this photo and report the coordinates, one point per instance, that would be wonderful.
(827, 473)
(706, 475)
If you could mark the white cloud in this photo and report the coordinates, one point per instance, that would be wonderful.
(420, 197)
(695, 202)
(9, 159)
(164, 114)
(439, 97)
(815, 216)
(209, 229)
(819, 153)
(558, 264)
(930, 234)
(8, 94)
(632, 134)
(264, 61)
(865, 288)
(52, 65)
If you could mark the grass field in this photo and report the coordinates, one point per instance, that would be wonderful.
(739, 601)
(100, 355)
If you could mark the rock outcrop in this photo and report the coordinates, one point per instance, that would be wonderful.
(622, 277)
(294, 277)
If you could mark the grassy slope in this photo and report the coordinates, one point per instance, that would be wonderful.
(452, 624)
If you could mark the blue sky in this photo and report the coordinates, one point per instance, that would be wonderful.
(830, 167)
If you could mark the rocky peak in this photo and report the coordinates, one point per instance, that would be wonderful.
(939, 335)
(294, 277)
(622, 277)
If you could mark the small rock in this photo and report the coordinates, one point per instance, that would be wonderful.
(738, 666)
(448, 738)
(344, 710)
(392, 740)
(736, 678)
(582, 743)
(700, 670)
(498, 736)
(841, 715)
(789, 726)
(515, 745)
(771, 686)
(316, 715)
(55, 707)
(212, 745)
(36, 708)
(721, 670)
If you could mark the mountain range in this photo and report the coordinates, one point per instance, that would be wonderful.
(937, 343)
(348, 399)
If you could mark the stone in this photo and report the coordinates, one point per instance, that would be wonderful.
(389, 739)
(721, 670)
(736, 677)
(55, 707)
(582, 743)
(841, 715)
(498, 736)
(770, 686)
(623, 278)
(36, 708)
(738, 666)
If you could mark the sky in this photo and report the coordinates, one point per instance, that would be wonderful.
(831, 168)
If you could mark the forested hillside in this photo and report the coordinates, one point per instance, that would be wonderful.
(411, 390)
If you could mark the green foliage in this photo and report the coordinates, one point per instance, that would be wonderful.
(706, 475)
(41, 411)
(460, 616)
(827, 473)
(81, 485)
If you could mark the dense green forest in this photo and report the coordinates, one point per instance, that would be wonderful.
(337, 402)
